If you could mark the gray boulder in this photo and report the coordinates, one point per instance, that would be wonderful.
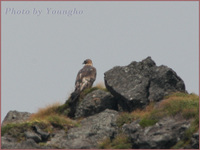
(32, 135)
(15, 117)
(163, 135)
(92, 130)
(11, 143)
(95, 102)
(195, 141)
(139, 83)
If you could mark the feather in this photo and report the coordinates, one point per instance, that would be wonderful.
(85, 79)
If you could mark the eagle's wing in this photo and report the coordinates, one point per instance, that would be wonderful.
(85, 78)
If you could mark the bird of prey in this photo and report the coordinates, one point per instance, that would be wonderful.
(85, 78)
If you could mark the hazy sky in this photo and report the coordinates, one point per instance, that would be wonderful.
(45, 43)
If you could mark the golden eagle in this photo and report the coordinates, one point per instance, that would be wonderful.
(85, 78)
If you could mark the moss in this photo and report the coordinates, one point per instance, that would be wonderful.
(87, 91)
(187, 136)
(105, 144)
(145, 122)
(124, 118)
(59, 121)
(7, 128)
(17, 130)
(64, 109)
(42, 144)
(47, 119)
(119, 142)
(181, 103)
(179, 145)
(186, 105)
(191, 130)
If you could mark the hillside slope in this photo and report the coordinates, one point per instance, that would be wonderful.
(143, 106)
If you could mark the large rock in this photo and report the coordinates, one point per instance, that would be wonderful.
(163, 135)
(195, 141)
(15, 117)
(92, 130)
(11, 143)
(139, 83)
(95, 102)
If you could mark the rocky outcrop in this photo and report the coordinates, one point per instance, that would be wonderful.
(194, 141)
(15, 117)
(11, 143)
(163, 135)
(98, 116)
(32, 138)
(95, 102)
(92, 130)
(139, 83)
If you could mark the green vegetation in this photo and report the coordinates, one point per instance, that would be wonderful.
(120, 142)
(182, 104)
(54, 117)
(65, 109)
(46, 118)
(186, 105)
(124, 118)
(17, 130)
(51, 116)
(145, 122)
(89, 90)
(180, 145)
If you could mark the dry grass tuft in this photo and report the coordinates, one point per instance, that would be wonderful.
(100, 85)
(121, 141)
(186, 105)
(50, 116)
(181, 103)
(43, 112)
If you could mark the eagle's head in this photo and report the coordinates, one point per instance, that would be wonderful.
(88, 62)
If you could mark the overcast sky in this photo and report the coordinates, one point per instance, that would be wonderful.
(45, 43)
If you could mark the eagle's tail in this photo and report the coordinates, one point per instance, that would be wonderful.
(74, 96)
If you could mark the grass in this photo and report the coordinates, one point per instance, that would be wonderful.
(180, 145)
(55, 117)
(120, 142)
(124, 118)
(145, 116)
(47, 119)
(65, 108)
(145, 122)
(52, 116)
(99, 86)
(182, 104)
(186, 105)
(46, 111)
(17, 130)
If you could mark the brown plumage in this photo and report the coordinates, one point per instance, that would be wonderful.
(85, 78)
